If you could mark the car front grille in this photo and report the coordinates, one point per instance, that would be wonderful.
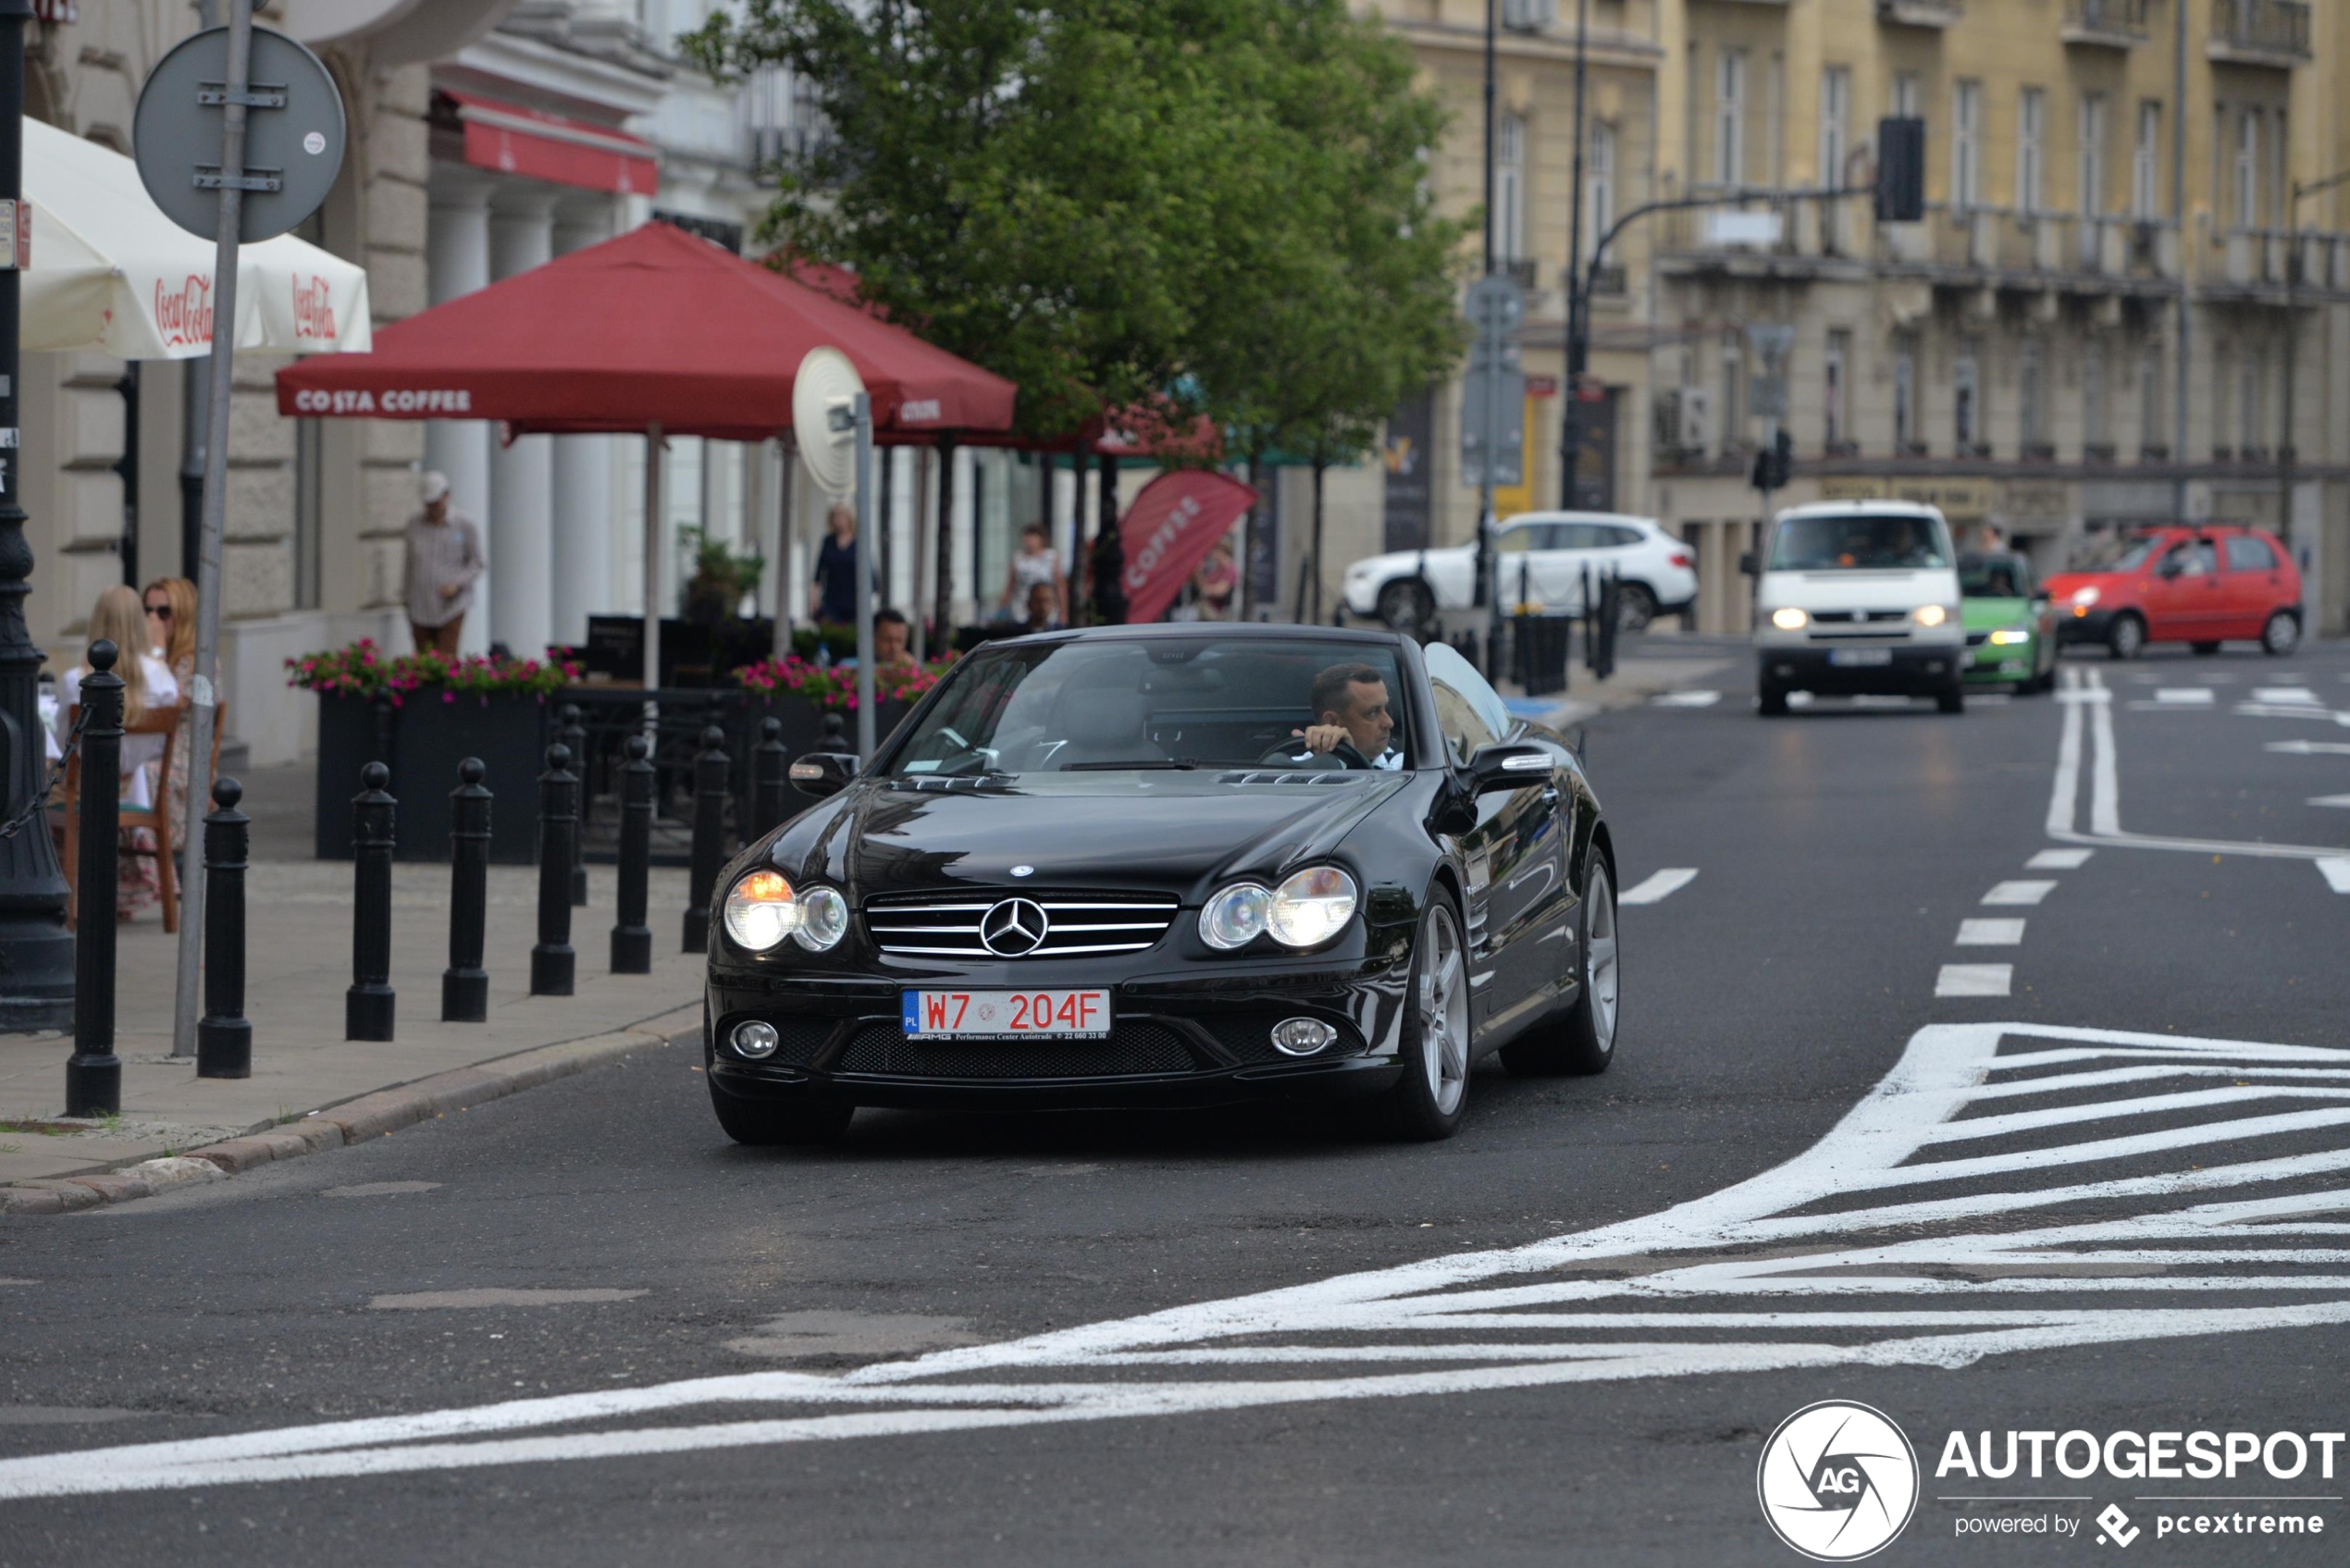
(1132, 1050)
(1859, 617)
(1077, 924)
(1976, 639)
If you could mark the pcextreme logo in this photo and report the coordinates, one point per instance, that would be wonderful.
(1839, 1481)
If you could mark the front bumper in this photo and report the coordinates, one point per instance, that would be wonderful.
(1915, 670)
(2095, 625)
(1990, 665)
(1196, 1037)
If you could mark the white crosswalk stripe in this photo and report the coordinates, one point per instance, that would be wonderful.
(2007, 1188)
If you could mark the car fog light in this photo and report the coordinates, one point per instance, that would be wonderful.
(754, 1039)
(2011, 637)
(1302, 1037)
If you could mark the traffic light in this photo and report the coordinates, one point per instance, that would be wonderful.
(1775, 463)
(1901, 169)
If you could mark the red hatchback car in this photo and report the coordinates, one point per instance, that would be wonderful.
(2202, 586)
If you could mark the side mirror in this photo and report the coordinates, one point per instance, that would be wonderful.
(1509, 766)
(1748, 565)
(820, 774)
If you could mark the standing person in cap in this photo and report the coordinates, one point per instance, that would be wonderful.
(444, 561)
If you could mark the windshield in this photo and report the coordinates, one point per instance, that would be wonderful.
(1859, 542)
(1994, 577)
(2120, 553)
(1210, 701)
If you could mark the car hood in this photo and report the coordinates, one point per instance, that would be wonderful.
(1859, 588)
(1404, 559)
(2063, 586)
(1178, 832)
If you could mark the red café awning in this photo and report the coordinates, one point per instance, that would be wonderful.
(514, 140)
(653, 328)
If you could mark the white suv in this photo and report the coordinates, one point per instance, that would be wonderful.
(1542, 558)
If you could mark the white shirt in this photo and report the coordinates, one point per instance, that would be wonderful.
(137, 751)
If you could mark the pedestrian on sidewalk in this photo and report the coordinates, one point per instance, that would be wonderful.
(832, 590)
(1038, 566)
(445, 559)
(171, 633)
(119, 618)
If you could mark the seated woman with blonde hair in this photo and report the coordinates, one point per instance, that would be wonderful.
(147, 684)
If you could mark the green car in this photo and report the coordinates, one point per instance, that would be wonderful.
(2011, 624)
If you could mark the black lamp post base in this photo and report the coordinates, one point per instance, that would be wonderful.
(94, 1084)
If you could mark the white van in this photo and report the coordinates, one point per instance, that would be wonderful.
(1857, 596)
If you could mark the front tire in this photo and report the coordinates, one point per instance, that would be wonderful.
(1428, 1105)
(2127, 638)
(2282, 635)
(2204, 650)
(1406, 606)
(1583, 1042)
(761, 1124)
(1951, 699)
(1770, 700)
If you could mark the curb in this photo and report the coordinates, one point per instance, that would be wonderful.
(378, 1113)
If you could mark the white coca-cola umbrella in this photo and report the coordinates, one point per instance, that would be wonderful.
(111, 274)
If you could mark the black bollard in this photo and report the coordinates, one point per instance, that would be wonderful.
(93, 1073)
(632, 939)
(834, 738)
(551, 960)
(573, 735)
(769, 779)
(464, 984)
(710, 829)
(224, 1040)
(367, 1006)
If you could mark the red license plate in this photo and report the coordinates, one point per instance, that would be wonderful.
(1006, 1015)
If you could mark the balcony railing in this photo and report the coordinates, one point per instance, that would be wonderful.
(2106, 24)
(1525, 271)
(1921, 12)
(2259, 32)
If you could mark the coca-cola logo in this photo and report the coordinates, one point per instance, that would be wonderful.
(314, 309)
(184, 314)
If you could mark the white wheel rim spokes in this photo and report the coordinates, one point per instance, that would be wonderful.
(1600, 958)
(1445, 1016)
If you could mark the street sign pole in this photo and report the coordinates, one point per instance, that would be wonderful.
(861, 410)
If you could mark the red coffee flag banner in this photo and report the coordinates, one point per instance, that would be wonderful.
(1169, 531)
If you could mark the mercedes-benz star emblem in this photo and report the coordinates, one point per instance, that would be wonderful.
(1014, 928)
(1023, 870)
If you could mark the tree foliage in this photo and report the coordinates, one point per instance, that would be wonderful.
(1108, 201)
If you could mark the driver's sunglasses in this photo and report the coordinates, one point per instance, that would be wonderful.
(162, 611)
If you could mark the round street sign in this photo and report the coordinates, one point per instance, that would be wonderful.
(293, 134)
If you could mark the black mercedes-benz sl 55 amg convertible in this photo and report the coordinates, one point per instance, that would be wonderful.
(1171, 864)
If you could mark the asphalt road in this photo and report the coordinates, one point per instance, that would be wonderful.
(2141, 1242)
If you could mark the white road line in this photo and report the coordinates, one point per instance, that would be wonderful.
(2330, 800)
(2294, 695)
(2059, 861)
(2309, 747)
(1990, 933)
(1782, 1271)
(1658, 886)
(1974, 979)
(2014, 894)
(2336, 872)
(1684, 700)
(2189, 696)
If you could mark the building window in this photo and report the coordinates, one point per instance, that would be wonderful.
(2280, 188)
(1733, 398)
(1835, 404)
(2248, 170)
(1599, 184)
(2093, 424)
(2031, 157)
(1509, 191)
(1908, 96)
(2031, 391)
(2146, 164)
(1966, 402)
(1835, 106)
(2150, 400)
(1729, 118)
(2223, 376)
(1905, 397)
(2252, 430)
(309, 509)
(2092, 197)
(1966, 144)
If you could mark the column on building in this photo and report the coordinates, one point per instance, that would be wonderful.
(522, 471)
(584, 516)
(458, 245)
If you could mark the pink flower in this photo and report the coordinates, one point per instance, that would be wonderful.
(449, 697)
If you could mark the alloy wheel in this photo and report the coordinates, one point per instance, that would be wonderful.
(1444, 1012)
(1599, 957)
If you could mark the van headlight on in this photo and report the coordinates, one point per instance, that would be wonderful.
(1789, 619)
(1305, 910)
(1931, 615)
(762, 909)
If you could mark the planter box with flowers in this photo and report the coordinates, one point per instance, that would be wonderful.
(800, 692)
(420, 715)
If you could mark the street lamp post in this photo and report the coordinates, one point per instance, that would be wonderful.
(36, 951)
(1485, 593)
(1579, 352)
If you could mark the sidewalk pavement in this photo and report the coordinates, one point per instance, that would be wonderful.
(1645, 666)
(298, 964)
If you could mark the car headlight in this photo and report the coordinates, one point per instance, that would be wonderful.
(1789, 619)
(1931, 615)
(2085, 595)
(1311, 906)
(762, 909)
(2012, 636)
(1235, 916)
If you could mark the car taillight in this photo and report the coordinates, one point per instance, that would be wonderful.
(1680, 559)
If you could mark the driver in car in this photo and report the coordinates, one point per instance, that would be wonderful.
(1352, 721)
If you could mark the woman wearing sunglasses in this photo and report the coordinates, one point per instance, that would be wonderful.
(171, 633)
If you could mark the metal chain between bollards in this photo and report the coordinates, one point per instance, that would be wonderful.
(464, 984)
(39, 801)
(367, 1007)
(553, 963)
(224, 1038)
